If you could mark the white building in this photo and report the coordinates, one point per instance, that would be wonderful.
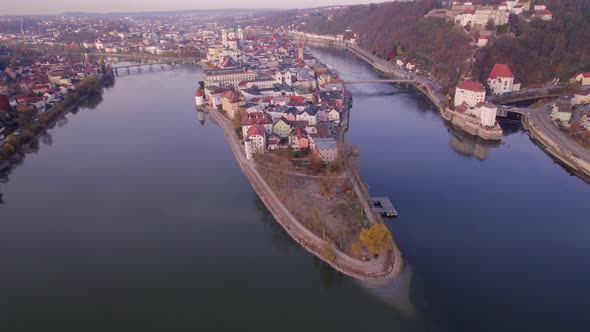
(482, 41)
(545, 14)
(469, 92)
(227, 78)
(582, 78)
(199, 99)
(501, 79)
(283, 76)
(487, 114)
(255, 142)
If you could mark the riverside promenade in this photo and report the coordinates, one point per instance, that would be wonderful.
(421, 83)
(387, 266)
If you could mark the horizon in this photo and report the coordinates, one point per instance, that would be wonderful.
(43, 8)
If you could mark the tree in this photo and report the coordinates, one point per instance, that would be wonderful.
(377, 239)
(574, 127)
(89, 85)
(318, 222)
(355, 250)
(328, 251)
(491, 25)
(315, 162)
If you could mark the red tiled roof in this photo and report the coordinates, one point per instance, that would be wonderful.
(471, 86)
(543, 12)
(500, 70)
(256, 130)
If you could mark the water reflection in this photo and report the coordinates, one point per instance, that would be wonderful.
(201, 117)
(395, 292)
(280, 239)
(328, 276)
(45, 138)
(468, 145)
(283, 242)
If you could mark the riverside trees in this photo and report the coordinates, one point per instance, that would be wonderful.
(377, 239)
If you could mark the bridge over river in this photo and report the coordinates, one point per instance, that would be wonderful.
(383, 81)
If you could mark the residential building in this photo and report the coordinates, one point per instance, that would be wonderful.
(231, 102)
(326, 149)
(255, 141)
(582, 97)
(562, 111)
(582, 78)
(282, 127)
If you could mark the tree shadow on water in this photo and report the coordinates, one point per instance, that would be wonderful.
(283, 242)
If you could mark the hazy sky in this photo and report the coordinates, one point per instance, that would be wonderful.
(48, 7)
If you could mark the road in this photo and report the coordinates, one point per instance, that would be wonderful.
(540, 119)
(429, 85)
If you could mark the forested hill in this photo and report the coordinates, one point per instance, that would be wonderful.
(441, 48)
(543, 50)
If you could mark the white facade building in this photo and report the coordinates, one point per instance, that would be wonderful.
(469, 92)
(501, 79)
(487, 114)
(255, 142)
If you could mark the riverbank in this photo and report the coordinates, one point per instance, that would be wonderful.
(15, 145)
(554, 149)
(19, 154)
(385, 267)
(462, 121)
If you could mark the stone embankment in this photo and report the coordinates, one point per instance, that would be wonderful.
(386, 267)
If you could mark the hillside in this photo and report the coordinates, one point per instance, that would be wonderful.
(543, 50)
(441, 48)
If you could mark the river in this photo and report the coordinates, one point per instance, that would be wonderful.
(134, 216)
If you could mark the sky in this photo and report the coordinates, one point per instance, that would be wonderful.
(45, 7)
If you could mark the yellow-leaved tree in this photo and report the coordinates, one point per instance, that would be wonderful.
(377, 238)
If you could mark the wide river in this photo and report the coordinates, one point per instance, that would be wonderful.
(133, 216)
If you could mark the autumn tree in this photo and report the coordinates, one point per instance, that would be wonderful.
(355, 250)
(328, 251)
(318, 222)
(377, 239)
(316, 164)
(574, 127)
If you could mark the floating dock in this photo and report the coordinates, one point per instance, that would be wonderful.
(383, 206)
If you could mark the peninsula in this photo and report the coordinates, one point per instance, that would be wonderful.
(284, 115)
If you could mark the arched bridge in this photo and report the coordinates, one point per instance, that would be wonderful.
(382, 81)
(139, 66)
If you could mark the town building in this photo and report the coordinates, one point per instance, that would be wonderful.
(501, 79)
(255, 141)
(562, 111)
(228, 78)
(469, 92)
(482, 41)
(326, 149)
(582, 97)
(582, 78)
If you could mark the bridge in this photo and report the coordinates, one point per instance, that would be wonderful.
(382, 81)
(139, 66)
(503, 100)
